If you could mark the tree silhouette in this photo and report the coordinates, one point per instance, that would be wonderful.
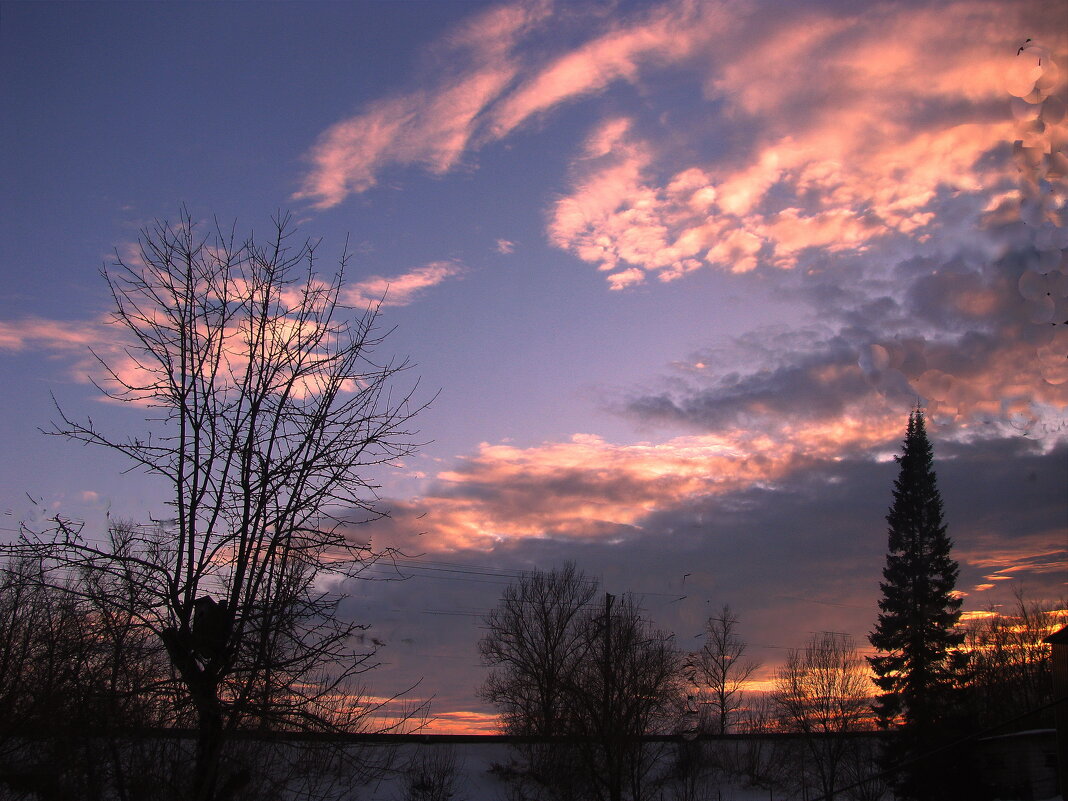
(626, 686)
(265, 404)
(73, 661)
(919, 611)
(823, 693)
(533, 647)
(719, 669)
(601, 675)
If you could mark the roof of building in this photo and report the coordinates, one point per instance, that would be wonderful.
(1058, 637)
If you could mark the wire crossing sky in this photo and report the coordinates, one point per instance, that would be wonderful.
(674, 273)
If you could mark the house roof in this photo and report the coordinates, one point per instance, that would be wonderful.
(1058, 637)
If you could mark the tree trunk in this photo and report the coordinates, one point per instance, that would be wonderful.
(209, 751)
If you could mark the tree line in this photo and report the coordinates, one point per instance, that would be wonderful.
(931, 684)
(588, 715)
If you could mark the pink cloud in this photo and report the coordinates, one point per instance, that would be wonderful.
(1038, 553)
(82, 342)
(625, 278)
(57, 335)
(430, 127)
(73, 340)
(615, 215)
(589, 488)
(420, 128)
(876, 57)
(669, 34)
(402, 289)
(493, 94)
(892, 106)
(593, 489)
(493, 33)
(889, 111)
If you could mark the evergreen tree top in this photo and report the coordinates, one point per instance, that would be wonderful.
(916, 444)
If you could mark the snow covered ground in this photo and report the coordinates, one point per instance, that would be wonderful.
(474, 778)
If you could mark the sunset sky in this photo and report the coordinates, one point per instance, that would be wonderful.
(676, 272)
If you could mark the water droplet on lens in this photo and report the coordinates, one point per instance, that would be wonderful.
(1053, 111)
(1023, 111)
(1041, 310)
(1032, 285)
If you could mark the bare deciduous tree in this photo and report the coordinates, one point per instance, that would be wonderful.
(628, 685)
(824, 693)
(432, 774)
(72, 665)
(561, 665)
(720, 671)
(533, 648)
(266, 404)
(1006, 668)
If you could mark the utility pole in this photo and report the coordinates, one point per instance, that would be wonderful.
(610, 736)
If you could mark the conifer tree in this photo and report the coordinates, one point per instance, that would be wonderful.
(916, 632)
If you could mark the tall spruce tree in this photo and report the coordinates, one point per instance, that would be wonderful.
(919, 611)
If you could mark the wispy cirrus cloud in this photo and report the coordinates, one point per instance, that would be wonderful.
(665, 34)
(509, 73)
(429, 127)
(403, 289)
(53, 335)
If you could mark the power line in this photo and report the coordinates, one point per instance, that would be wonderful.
(824, 603)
